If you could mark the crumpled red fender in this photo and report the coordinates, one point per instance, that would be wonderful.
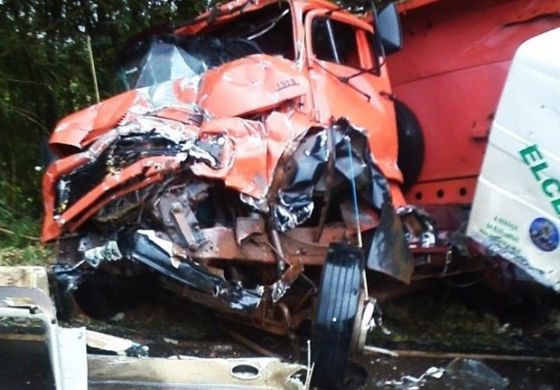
(251, 149)
(252, 84)
(257, 83)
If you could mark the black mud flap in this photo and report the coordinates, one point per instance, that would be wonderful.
(389, 252)
(338, 304)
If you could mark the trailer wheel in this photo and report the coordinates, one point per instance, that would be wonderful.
(411, 144)
(338, 304)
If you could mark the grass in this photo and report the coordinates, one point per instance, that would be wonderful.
(434, 320)
(426, 322)
(33, 254)
(19, 229)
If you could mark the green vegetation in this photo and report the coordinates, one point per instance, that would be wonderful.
(442, 321)
(424, 322)
(19, 229)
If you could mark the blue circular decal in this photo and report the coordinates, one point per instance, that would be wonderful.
(544, 234)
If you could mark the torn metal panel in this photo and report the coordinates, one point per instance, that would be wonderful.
(389, 252)
(195, 373)
(278, 80)
(108, 252)
(352, 161)
(169, 259)
(117, 345)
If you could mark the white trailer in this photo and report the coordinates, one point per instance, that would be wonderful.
(516, 210)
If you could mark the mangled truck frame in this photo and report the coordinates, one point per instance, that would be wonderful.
(253, 164)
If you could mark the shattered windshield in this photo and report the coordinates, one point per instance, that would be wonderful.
(164, 58)
(167, 57)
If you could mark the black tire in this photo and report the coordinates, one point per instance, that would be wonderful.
(411, 144)
(339, 293)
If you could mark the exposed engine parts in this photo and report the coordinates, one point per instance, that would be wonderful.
(196, 230)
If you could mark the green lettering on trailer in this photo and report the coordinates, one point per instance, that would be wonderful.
(550, 186)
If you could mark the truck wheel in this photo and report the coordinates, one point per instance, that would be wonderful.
(338, 304)
(411, 144)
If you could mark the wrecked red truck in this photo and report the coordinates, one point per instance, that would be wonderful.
(258, 164)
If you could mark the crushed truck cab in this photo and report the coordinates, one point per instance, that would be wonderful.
(251, 146)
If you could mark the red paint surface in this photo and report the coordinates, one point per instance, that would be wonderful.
(451, 73)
